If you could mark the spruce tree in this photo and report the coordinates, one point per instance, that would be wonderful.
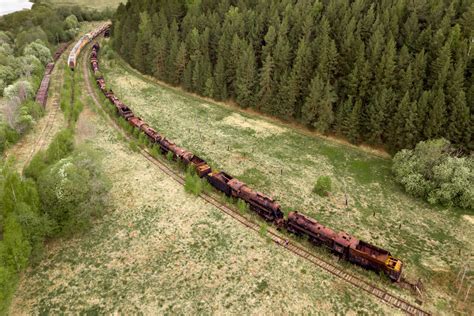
(318, 108)
(458, 129)
(180, 64)
(220, 80)
(436, 116)
(246, 77)
(266, 93)
(376, 114)
(354, 122)
(300, 75)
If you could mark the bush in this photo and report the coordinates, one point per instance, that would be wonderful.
(242, 206)
(73, 191)
(433, 172)
(323, 186)
(193, 184)
(134, 146)
(61, 146)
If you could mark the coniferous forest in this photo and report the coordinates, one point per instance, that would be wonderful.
(388, 73)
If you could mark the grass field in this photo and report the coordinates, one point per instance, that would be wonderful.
(159, 250)
(90, 3)
(434, 242)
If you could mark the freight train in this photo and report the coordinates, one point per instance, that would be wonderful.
(42, 93)
(83, 41)
(340, 243)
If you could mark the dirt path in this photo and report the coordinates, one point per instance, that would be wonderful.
(47, 126)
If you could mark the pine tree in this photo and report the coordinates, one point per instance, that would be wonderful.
(180, 63)
(376, 114)
(143, 55)
(354, 122)
(458, 129)
(326, 52)
(160, 50)
(422, 115)
(385, 72)
(436, 116)
(282, 108)
(173, 53)
(209, 88)
(318, 108)
(245, 77)
(266, 92)
(404, 127)
(270, 41)
(343, 118)
(220, 80)
(281, 55)
(300, 74)
(440, 67)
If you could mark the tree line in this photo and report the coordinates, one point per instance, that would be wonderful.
(388, 73)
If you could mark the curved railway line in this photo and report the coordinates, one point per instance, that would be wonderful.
(279, 239)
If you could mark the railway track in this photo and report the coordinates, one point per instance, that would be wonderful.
(383, 295)
(45, 132)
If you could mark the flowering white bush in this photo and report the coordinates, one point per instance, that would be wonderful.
(431, 171)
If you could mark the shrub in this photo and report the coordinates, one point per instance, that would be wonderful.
(154, 151)
(323, 186)
(431, 171)
(73, 191)
(134, 146)
(242, 206)
(263, 229)
(193, 184)
(169, 156)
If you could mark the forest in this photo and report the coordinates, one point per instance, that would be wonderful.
(387, 73)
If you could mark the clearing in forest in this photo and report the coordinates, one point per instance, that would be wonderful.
(434, 242)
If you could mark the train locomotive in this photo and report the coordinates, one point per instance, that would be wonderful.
(342, 244)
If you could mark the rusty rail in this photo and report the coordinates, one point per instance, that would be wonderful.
(384, 296)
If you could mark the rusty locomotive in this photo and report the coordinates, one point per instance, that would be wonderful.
(340, 243)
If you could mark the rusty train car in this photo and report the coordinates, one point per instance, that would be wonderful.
(342, 244)
(42, 93)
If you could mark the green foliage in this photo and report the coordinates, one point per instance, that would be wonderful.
(73, 191)
(71, 22)
(432, 171)
(61, 146)
(323, 186)
(340, 67)
(134, 146)
(193, 184)
(242, 206)
(263, 229)
(39, 50)
(23, 228)
(155, 151)
(169, 156)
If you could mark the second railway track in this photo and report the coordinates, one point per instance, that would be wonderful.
(279, 239)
